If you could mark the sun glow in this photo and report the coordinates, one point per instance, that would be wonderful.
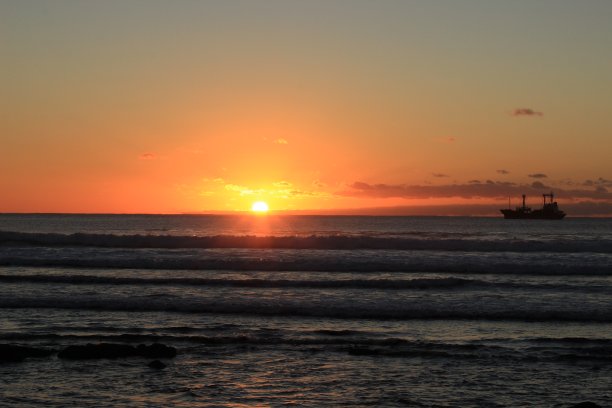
(260, 207)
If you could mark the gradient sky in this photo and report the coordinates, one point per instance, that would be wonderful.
(185, 106)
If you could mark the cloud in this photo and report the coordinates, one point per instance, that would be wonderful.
(147, 156)
(242, 190)
(502, 171)
(469, 190)
(580, 209)
(281, 189)
(539, 185)
(281, 141)
(440, 175)
(319, 184)
(589, 208)
(488, 189)
(599, 182)
(537, 175)
(526, 112)
(604, 182)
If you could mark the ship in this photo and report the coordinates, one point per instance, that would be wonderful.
(549, 211)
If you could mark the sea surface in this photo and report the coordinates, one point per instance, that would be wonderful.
(309, 311)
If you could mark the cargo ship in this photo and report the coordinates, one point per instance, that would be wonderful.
(549, 211)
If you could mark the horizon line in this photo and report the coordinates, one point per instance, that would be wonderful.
(285, 213)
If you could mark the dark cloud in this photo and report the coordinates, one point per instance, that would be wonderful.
(589, 209)
(148, 156)
(440, 175)
(447, 139)
(526, 112)
(502, 171)
(539, 185)
(537, 175)
(599, 182)
(470, 190)
(473, 189)
(604, 182)
(581, 209)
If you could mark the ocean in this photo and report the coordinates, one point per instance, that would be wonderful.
(308, 310)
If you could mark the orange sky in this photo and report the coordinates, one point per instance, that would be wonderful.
(158, 107)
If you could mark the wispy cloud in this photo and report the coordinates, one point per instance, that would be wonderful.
(281, 141)
(537, 175)
(147, 156)
(318, 184)
(242, 190)
(526, 112)
(502, 171)
(440, 175)
(281, 189)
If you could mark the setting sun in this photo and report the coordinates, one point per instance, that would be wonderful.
(260, 207)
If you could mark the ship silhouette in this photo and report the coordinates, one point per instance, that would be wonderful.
(549, 211)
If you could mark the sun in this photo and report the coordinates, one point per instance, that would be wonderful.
(260, 207)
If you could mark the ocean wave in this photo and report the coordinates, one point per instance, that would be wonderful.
(386, 284)
(357, 346)
(263, 283)
(320, 338)
(351, 310)
(330, 242)
(329, 261)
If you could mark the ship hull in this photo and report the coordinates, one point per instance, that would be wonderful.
(533, 215)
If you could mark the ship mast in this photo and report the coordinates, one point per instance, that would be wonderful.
(551, 195)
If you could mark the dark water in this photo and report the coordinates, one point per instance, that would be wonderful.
(310, 311)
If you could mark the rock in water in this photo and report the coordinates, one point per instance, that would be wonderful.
(586, 404)
(156, 350)
(11, 353)
(109, 350)
(156, 364)
(102, 350)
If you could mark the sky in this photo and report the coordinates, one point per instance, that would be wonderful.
(403, 107)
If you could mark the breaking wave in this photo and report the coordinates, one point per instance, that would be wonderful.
(388, 311)
(370, 261)
(447, 283)
(329, 242)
